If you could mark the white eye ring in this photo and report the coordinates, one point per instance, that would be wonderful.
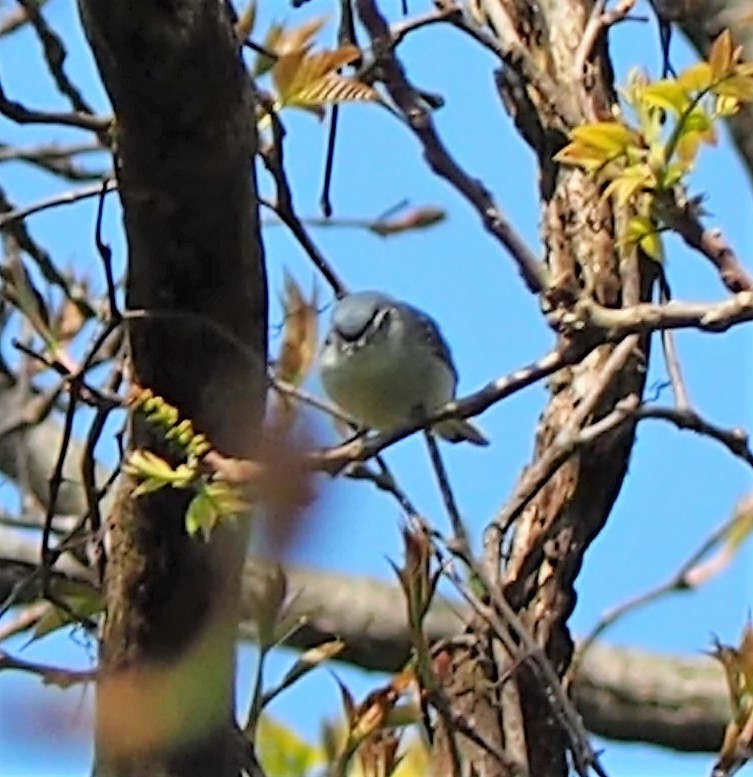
(381, 317)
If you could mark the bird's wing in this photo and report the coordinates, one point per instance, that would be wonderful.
(430, 332)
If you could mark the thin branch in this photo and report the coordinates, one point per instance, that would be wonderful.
(55, 55)
(615, 323)
(17, 112)
(51, 675)
(334, 459)
(50, 272)
(65, 198)
(736, 441)
(599, 22)
(686, 578)
(274, 160)
(460, 533)
(573, 436)
(682, 400)
(436, 154)
(711, 244)
(56, 158)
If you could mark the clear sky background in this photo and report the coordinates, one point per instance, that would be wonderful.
(679, 485)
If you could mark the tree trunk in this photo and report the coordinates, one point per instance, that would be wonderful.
(546, 96)
(185, 140)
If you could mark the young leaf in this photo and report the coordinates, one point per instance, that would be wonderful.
(244, 26)
(299, 334)
(696, 78)
(738, 87)
(282, 753)
(311, 81)
(721, 55)
(612, 137)
(83, 604)
(642, 231)
(668, 94)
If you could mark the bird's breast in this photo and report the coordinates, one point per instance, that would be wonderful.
(382, 387)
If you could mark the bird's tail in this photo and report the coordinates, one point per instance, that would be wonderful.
(460, 430)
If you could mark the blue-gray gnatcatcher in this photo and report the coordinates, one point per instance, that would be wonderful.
(385, 363)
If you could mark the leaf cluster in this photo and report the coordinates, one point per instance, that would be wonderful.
(302, 77)
(644, 161)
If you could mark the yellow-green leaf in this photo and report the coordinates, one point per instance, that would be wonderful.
(632, 180)
(201, 517)
(580, 155)
(696, 78)
(310, 80)
(667, 94)
(652, 246)
(738, 87)
(642, 231)
(726, 106)
(332, 89)
(609, 136)
(282, 753)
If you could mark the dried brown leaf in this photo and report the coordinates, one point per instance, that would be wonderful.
(299, 334)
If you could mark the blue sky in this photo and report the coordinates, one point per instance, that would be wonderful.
(679, 485)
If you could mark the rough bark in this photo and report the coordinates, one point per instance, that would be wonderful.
(185, 145)
(553, 532)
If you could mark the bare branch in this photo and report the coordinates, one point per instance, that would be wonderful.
(436, 154)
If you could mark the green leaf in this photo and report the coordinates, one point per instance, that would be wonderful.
(667, 94)
(78, 606)
(282, 753)
(201, 516)
(696, 78)
(610, 136)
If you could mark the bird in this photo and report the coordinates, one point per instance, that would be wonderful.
(386, 364)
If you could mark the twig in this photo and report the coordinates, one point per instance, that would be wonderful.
(88, 473)
(684, 579)
(26, 243)
(105, 254)
(710, 243)
(333, 459)
(736, 441)
(274, 161)
(571, 437)
(17, 112)
(15, 19)
(615, 323)
(599, 22)
(671, 358)
(51, 675)
(56, 158)
(65, 198)
(325, 200)
(55, 54)
(437, 156)
(460, 533)
(512, 633)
